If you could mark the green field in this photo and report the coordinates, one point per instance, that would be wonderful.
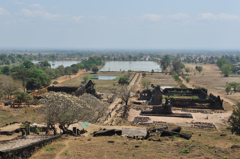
(100, 85)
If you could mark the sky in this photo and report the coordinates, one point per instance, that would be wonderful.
(120, 24)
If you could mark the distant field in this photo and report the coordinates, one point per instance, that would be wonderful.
(212, 80)
(101, 85)
(160, 79)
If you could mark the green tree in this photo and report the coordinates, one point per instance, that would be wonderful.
(187, 70)
(221, 62)
(167, 59)
(95, 69)
(45, 64)
(5, 70)
(22, 97)
(199, 68)
(234, 85)
(123, 80)
(61, 70)
(188, 80)
(234, 120)
(22, 74)
(228, 89)
(226, 69)
(85, 79)
(152, 71)
(36, 79)
(27, 64)
(164, 65)
(68, 70)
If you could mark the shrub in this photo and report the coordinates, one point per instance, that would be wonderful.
(188, 80)
(234, 120)
(50, 149)
(185, 150)
(55, 82)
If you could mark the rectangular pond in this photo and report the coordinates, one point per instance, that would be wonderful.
(104, 77)
(55, 64)
(131, 65)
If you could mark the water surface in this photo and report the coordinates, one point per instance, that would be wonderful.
(131, 65)
(104, 77)
(55, 64)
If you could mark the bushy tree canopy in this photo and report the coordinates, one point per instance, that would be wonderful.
(226, 69)
(66, 109)
(234, 120)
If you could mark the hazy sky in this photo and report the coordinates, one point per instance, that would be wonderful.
(136, 24)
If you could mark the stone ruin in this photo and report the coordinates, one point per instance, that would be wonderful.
(153, 95)
(77, 91)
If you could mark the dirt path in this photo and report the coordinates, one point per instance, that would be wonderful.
(66, 77)
(115, 105)
(65, 148)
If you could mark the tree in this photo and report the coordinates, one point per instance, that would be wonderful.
(228, 89)
(187, 70)
(9, 85)
(164, 65)
(199, 68)
(234, 120)
(226, 69)
(45, 64)
(188, 80)
(66, 109)
(22, 97)
(167, 59)
(68, 70)
(177, 65)
(95, 69)
(36, 79)
(234, 85)
(5, 70)
(85, 79)
(27, 64)
(144, 74)
(152, 71)
(22, 74)
(123, 80)
(221, 62)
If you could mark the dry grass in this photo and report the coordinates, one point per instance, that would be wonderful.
(101, 85)
(8, 115)
(160, 79)
(208, 145)
(212, 80)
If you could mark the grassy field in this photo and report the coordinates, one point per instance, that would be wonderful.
(8, 115)
(160, 79)
(100, 85)
(212, 80)
(203, 144)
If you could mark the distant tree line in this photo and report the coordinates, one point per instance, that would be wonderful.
(35, 76)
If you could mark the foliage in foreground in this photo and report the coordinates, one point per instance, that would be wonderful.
(234, 120)
(66, 109)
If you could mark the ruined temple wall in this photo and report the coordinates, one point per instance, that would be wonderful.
(68, 90)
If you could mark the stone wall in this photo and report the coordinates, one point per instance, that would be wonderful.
(27, 150)
(65, 89)
(212, 103)
(202, 93)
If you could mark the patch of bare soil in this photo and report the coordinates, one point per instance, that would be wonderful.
(66, 77)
